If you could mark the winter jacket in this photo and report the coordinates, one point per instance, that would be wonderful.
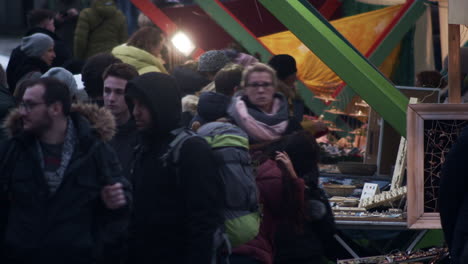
(22, 67)
(7, 102)
(142, 60)
(62, 52)
(71, 225)
(100, 28)
(270, 186)
(453, 198)
(124, 143)
(177, 208)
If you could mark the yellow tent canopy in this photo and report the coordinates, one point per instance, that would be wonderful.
(360, 30)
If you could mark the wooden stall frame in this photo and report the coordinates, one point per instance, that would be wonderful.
(416, 115)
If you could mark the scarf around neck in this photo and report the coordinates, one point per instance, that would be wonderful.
(260, 126)
(67, 152)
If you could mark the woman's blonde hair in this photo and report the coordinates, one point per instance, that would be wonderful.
(258, 67)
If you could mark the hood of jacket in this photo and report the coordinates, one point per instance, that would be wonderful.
(93, 120)
(104, 8)
(159, 92)
(49, 33)
(142, 60)
(213, 106)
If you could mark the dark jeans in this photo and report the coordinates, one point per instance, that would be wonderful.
(240, 259)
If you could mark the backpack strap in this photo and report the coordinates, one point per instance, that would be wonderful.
(172, 155)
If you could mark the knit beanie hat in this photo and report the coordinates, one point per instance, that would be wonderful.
(212, 61)
(64, 76)
(284, 65)
(92, 71)
(245, 59)
(36, 44)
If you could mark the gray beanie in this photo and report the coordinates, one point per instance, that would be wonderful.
(212, 61)
(36, 44)
(64, 76)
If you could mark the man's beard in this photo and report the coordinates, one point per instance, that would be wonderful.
(41, 126)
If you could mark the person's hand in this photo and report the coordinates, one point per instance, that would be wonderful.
(223, 120)
(283, 158)
(113, 196)
(195, 126)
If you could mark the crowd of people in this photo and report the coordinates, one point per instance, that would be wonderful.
(206, 163)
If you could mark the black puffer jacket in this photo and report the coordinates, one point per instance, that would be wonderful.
(20, 66)
(177, 210)
(63, 53)
(72, 225)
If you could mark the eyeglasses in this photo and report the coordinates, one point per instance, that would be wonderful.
(28, 106)
(259, 84)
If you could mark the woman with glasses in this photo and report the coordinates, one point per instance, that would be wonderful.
(263, 114)
(259, 109)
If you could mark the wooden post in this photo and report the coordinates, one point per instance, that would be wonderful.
(454, 72)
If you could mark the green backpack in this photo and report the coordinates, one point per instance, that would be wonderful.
(230, 146)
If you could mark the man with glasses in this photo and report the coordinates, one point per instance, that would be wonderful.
(69, 202)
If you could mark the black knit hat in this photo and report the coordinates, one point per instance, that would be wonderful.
(92, 71)
(284, 65)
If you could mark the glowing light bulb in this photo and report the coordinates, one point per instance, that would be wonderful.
(183, 43)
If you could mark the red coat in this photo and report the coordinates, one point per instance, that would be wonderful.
(270, 186)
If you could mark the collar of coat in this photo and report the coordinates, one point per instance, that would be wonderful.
(90, 119)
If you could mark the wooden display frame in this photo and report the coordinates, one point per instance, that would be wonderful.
(416, 115)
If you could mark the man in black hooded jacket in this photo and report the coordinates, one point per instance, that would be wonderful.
(177, 209)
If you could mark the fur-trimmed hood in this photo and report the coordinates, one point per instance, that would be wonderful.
(100, 120)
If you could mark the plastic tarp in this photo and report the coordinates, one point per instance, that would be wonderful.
(360, 30)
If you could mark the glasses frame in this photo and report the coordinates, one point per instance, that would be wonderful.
(29, 106)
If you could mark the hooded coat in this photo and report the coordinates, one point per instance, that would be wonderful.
(177, 210)
(22, 67)
(142, 60)
(453, 199)
(100, 28)
(71, 225)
